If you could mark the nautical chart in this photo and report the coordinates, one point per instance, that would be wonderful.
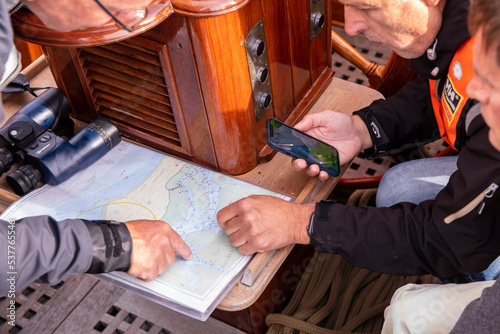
(132, 182)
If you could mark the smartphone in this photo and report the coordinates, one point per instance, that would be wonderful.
(299, 145)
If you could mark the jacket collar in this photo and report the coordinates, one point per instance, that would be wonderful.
(453, 33)
(13, 5)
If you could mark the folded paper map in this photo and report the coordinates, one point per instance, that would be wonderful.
(132, 182)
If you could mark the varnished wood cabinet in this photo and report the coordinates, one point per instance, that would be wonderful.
(185, 87)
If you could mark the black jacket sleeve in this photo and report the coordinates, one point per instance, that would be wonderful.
(457, 232)
(44, 250)
(405, 120)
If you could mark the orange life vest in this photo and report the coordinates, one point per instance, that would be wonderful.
(449, 105)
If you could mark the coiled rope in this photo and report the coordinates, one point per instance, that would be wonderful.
(335, 297)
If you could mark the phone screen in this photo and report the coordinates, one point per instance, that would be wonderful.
(299, 145)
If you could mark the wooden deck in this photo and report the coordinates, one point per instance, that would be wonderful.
(86, 304)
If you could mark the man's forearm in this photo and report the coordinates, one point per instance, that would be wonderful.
(45, 250)
(42, 249)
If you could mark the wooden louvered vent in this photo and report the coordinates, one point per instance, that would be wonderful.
(127, 85)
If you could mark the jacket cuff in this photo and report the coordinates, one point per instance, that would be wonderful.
(321, 229)
(112, 246)
(381, 142)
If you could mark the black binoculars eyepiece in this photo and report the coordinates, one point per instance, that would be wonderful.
(25, 178)
(6, 160)
(32, 136)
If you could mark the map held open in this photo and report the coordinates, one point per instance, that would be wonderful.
(132, 182)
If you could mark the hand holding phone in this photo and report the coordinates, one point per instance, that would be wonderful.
(299, 145)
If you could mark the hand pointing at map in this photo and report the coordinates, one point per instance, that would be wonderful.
(260, 223)
(154, 245)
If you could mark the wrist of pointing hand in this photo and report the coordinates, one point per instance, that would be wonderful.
(112, 246)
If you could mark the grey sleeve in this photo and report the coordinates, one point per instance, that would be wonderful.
(44, 250)
(482, 315)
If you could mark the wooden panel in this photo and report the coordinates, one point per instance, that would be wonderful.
(337, 10)
(321, 47)
(139, 103)
(184, 86)
(278, 43)
(29, 52)
(62, 67)
(298, 21)
(148, 88)
(222, 66)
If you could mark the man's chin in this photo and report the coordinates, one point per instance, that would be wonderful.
(407, 54)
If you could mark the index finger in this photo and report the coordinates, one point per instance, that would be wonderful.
(180, 247)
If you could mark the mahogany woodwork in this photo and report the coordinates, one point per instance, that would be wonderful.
(183, 86)
(29, 28)
(373, 71)
(279, 56)
(29, 51)
(337, 13)
(397, 74)
(206, 7)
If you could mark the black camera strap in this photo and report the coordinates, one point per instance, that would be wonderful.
(21, 84)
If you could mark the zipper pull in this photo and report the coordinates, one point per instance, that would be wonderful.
(488, 194)
(491, 190)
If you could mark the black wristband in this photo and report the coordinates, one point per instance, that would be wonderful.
(112, 246)
(380, 140)
(320, 215)
(324, 236)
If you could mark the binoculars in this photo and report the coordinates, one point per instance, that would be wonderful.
(32, 136)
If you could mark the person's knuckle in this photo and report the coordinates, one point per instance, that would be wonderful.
(233, 238)
(149, 277)
(245, 204)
